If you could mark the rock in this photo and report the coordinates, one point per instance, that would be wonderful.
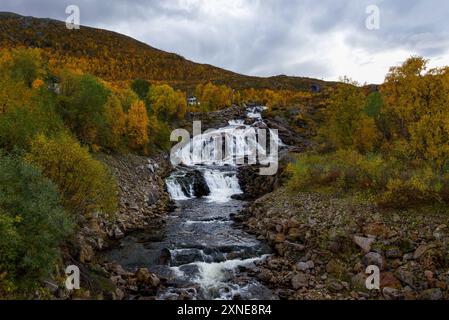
(392, 294)
(420, 251)
(336, 268)
(364, 243)
(300, 280)
(358, 282)
(335, 286)
(431, 294)
(388, 280)
(279, 238)
(118, 233)
(294, 233)
(303, 266)
(374, 258)
(119, 294)
(200, 186)
(145, 277)
(405, 276)
(393, 253)
(142, 275)
(86, 253)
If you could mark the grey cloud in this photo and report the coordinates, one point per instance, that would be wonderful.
(269, 37)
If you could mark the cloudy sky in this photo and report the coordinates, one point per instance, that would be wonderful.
(322, 39)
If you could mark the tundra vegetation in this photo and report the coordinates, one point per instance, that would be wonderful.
(390, 145)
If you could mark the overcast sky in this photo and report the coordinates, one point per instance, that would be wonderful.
(322, 39)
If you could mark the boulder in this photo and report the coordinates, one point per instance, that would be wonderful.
(374, 258)
(300, 280)
(364, 243)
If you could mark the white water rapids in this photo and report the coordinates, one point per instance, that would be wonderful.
(199, 252)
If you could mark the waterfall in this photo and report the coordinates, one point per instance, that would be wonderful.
(223, 149)
(175, 190)
(222, 185)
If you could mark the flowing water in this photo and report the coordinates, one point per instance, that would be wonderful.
(201, 252)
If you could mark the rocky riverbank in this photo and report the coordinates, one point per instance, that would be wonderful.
(143, 204)
(323, 245)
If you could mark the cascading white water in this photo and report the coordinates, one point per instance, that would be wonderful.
(222, 185)
(175, 190)
(236, 144)
(208, 257)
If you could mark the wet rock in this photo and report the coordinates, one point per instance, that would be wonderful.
(200, 187)
(118, 233)
(164, 257)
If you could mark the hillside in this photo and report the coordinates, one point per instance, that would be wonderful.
(118, 58)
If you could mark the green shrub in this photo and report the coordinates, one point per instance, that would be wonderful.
(344, 169)
(19, 125)
(33, 224)
(82, 105)
(390, 182)
(84, 183)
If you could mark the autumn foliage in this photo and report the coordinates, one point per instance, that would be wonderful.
(391, 145)
(137, 126)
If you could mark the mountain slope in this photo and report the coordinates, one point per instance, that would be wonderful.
(118, 58)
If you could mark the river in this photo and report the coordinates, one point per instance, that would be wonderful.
(202, 253)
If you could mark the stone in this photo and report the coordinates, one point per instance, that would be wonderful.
(364, 243)
(142, 275)
(388, 280)
(431, 294)
(303, 266)
(145, 277)
(420, 251)
(119, 294)
(392, 294)
(374, 258)
(279, 238)
(393, 253)
(358, 282)
(86, 253)
(335, 286)
(118, 233)
(405, 276)
(300, 280)
(294, 233)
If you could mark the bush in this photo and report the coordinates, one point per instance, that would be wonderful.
(84, 183)
(390, 182)
(82, 104)
(137, 126)
(414, 187)
(19, 125)
(33, 224)
(344, 169)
